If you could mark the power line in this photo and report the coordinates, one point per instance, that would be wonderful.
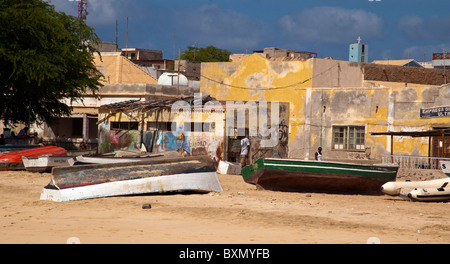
(268, 88)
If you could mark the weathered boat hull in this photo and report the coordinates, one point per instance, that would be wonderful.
(153, 176)
(13, 160)
(445, 166)
(84, 160)
(199, 182)
(312, 176)
(83, 175)
(46, 163)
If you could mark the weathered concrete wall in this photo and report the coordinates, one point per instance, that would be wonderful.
(118, 69)
(327, 93)
(255, 78)
(333, 73)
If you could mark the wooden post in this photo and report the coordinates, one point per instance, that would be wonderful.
(85, 128)
(392, 148)
(429, 146)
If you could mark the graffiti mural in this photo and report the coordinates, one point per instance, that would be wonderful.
(187, 143)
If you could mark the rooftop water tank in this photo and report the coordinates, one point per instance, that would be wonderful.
(171, 78)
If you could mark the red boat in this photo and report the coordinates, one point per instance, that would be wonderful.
(13, 160)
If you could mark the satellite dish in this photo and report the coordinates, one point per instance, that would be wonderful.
(171, 78)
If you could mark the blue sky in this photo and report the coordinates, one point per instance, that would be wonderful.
(393, 29)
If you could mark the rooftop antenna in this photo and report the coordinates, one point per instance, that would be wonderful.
(82, 9)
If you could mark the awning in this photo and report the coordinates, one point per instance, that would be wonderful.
(429, 133)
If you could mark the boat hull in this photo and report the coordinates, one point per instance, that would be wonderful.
(13, 160)
(311, 176)
(84, 160)
(84, 175)
(199, 182)
(46, 163)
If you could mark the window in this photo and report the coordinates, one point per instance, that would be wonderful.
(200, 127)
(348, 137)
(161, 126)
(125, 125)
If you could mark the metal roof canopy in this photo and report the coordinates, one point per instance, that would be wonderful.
(428, 133)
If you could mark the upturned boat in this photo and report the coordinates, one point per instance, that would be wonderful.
(45, 163)
(157, 175)
(13, 160)
(291, 175)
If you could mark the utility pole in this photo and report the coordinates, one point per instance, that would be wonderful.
(117, 29)
(445, 74)
(126, 42)
(178, 81)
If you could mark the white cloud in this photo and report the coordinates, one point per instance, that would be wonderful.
(416, 28)
(100, 12)
(223, 28)
(331, 25)
(104, 12)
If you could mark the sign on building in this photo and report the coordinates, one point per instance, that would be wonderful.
(435, 112)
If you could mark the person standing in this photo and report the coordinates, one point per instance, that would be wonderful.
(319, 154)
(245, 146)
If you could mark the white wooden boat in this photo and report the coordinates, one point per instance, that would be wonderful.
(83, 160)
(45, 163)
(200, 182)
(395, 188)
(153, 176)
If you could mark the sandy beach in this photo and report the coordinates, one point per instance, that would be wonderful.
(241, 214)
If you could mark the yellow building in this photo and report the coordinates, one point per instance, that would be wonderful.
(123, 80)
(337, 104)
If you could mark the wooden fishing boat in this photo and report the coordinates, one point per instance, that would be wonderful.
(445, 166)
(13, 160)
(45, 163)
(292, 175)
(151, 176)
(83, 160)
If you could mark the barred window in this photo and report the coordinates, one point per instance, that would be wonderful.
(124, 126)
(349, 137)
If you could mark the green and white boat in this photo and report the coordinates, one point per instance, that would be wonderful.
(292, 175)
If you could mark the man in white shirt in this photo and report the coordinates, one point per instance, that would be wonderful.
(318, 154)
(245, 146)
